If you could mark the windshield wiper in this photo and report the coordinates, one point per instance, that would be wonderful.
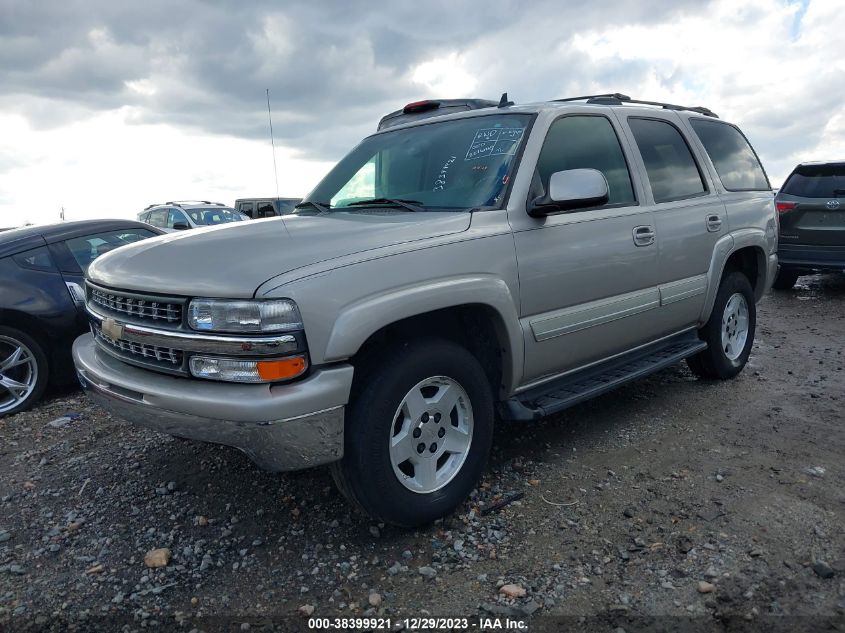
(322, 207)
(410, 205)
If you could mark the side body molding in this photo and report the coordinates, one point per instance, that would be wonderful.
(360, 320)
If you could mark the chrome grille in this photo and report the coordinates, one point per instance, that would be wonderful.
(143, 352)
(139, 307)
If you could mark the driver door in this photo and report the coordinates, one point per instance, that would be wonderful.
(588, 276)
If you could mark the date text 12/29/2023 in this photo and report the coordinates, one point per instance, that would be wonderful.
(416, 624)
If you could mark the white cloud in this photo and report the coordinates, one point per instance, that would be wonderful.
(109, 110)
(742, 61)
(103, 167)
(445, 76)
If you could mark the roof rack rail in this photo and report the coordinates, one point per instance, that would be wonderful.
(179, 203)
(617, 98)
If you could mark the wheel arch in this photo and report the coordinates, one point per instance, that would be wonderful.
(743, 251)
(479, 313)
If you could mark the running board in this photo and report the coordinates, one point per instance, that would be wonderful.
(562, 393)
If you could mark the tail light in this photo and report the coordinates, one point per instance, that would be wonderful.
(785, 207)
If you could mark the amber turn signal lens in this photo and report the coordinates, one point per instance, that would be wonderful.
(281, 369)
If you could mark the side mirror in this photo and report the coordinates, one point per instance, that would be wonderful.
(180, 226)
(571, 189)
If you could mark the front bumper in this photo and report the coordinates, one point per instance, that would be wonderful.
(280, 427)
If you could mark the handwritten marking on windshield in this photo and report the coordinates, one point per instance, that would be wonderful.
(441, 177)
(494, 142)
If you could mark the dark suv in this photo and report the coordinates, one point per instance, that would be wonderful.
(257, 208)
(811, 208)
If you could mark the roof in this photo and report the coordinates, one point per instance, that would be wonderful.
(17, 240)
(817, 163)
(187, 204)
(264, 199)
(587, 102)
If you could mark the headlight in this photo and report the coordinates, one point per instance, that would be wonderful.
(236, 370)
(228, 315)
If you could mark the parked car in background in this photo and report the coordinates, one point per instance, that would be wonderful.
(42, 303)
(514, 259)
(186, 214)
(256, 208)
(811, 210)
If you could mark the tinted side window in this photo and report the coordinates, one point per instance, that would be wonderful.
(176, 217)
(158, 218)
(576, 142)
(265, 210)
(286, 206)
(816, 181)
(671, 169)
(732, 156)
(246, 207)
(36, 259)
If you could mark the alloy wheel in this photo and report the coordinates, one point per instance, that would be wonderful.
(18, 373)
(431, 434)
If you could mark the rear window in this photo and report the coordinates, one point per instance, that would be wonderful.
(816, 181)
(732, 156)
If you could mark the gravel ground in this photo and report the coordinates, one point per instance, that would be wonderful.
(671, 500)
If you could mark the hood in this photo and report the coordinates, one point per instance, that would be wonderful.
(234, 259)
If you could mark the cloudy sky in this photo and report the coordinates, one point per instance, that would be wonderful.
(108, 106)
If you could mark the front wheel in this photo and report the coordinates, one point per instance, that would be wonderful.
(418, 432)
(23, 371)
(729, 332)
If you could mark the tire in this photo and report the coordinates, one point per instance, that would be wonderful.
(22, 362)
(385, 411)
(785, 279)
(719, 361)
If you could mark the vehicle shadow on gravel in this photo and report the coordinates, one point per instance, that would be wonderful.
(223, 482)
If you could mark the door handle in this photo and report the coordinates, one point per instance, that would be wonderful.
(714, 223)
(643, 235)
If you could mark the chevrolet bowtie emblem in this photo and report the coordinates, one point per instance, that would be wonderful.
(112, 328)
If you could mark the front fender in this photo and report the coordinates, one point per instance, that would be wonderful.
(360, 320)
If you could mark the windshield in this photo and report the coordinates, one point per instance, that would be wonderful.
(459, 164)
(216, 215)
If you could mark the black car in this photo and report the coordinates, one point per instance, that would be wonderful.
(811, 210)
(42, 300)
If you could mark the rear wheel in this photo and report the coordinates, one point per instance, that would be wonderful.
(23, 371)
(785, 279)
(418, 432)
(729, 332)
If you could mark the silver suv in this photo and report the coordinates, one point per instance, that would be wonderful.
(185, 214)
(504, 262)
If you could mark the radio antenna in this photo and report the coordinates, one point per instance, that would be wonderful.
(272, 143)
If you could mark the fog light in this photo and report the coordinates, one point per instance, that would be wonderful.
(235, 370)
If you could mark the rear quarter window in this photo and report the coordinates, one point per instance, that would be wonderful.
(732, 156)
(35, 259)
